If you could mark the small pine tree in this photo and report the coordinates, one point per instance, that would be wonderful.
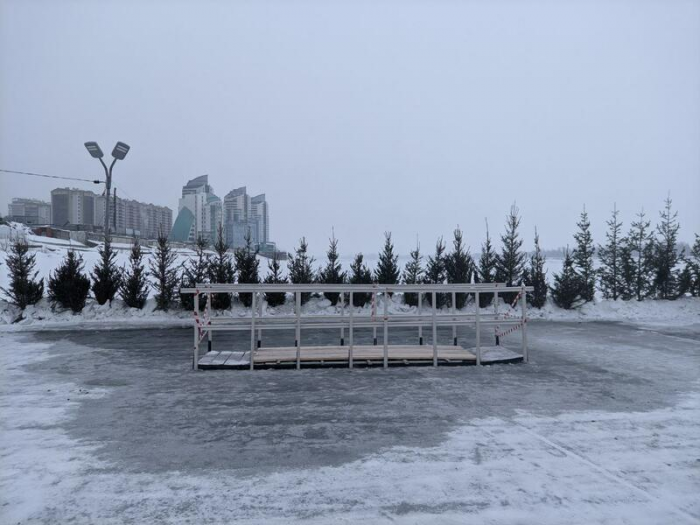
(195, 271)
(436, 273)
(331, 273)
(25, 289)
(301, 269)
(510, 264)
(666, 259)
(459, 266)
(68, 285)
(247, 266)
(134, 285)
(685, 279)
(638, 261)
(610, 272)
(387, 271)
(583, 258)
(163, 273)
(106, 275)
(360, 274)
(413, 274)
(627, 270)
(694, 262)
(221, 271)
(486, 271)
(566, 292)
(274, 276)
(537, 276)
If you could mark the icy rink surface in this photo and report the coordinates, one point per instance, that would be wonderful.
(603, 426)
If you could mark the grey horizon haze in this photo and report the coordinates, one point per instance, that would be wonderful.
(410, 117)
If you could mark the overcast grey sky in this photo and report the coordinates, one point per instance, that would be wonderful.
(408, 116)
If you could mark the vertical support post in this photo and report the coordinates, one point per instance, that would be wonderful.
(386, 329)
(374, 316)
(342, 313)
(260, 313)
(435, 353)
(420, 314)
(454, 311)
(352, 341)
(478, 330)
(298, 340)
(210, 335)
(523, 313)
(195, 357)
(252, 330)
(495, 310)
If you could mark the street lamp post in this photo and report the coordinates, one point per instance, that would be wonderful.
(119, 152)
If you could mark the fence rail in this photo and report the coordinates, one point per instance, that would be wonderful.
(349, 318)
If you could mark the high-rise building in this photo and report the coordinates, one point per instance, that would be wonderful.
(259, 214)
(73, 207)
(199, 212)
(29, 211)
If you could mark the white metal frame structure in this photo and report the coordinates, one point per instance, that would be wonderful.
(349, 318)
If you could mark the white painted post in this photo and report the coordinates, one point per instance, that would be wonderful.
(495, 310)
(195, 357)
(252, 331)
(386, 329)
(478, 331)
(454, 311)
(210, 335)
(435, 355)
(260, 313)
(352, 341)
(342, 313)
(420, 313)
(298, 309)
(374, 316)
(523, 313)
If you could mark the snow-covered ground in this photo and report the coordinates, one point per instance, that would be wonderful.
(92, 432)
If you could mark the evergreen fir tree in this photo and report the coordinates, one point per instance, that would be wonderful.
(106, 276)
(195, 271)
(610, 272)
(638, 260)
(685, 279)
(360, 274)
(666, 258)
(247, 266)
(68, 285)
(331, 273)
(566, 292)
(486, 271)
(583, 258)
(274, 276)
(536, 276)
(163, 273)
(628, 270)
(300, 268)
(510, 264)
(221, 271)
(25, 289)
(413, 274)
(694, 262)
(459, 267)
(387, 271)
(436, 273)
(134, 285)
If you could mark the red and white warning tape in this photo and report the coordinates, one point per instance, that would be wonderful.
(508, 315)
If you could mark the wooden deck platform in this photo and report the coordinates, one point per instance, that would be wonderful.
(363, 355)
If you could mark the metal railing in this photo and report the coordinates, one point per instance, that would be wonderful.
(351, 318)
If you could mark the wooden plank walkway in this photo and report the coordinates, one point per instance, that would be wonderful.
(363, 355)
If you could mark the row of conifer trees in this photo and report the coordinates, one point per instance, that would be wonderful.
(644, 263)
